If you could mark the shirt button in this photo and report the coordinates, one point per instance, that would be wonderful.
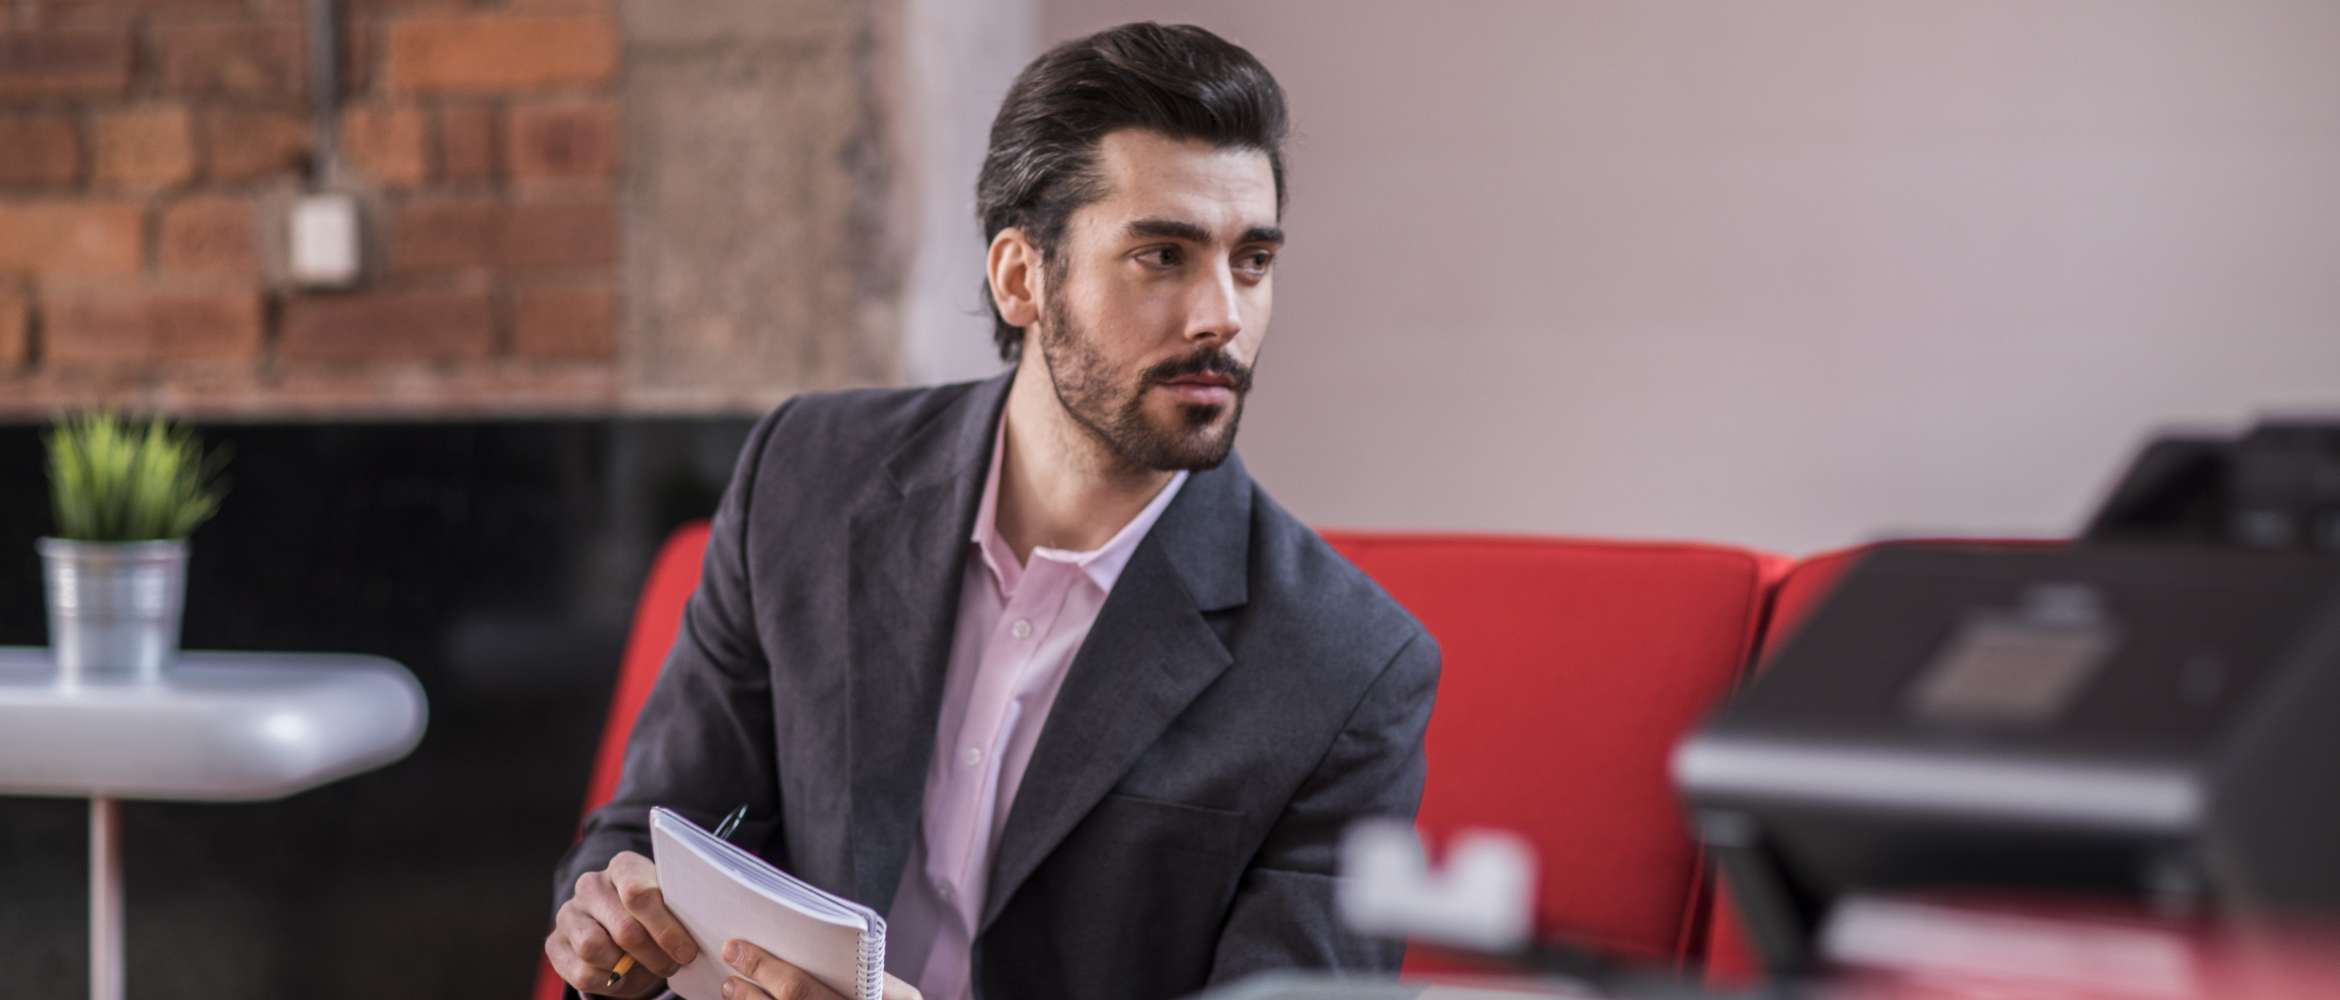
(971, 756)
(1022, 628)
(943, 889)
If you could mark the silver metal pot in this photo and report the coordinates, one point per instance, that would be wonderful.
(114, 607)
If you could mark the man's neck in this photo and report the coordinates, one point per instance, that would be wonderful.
(1059, 486)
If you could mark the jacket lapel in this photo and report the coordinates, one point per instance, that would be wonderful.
(1151, 652)
(908, 549)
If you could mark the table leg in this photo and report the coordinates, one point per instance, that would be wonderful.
(105, 899)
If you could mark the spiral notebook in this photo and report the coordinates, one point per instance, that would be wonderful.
(721, 892)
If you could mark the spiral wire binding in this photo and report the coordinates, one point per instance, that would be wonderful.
(873, 961)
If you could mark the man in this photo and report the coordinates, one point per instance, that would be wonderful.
(1031, 665)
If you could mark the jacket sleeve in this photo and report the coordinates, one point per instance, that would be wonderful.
(1284, 914)
(703, 743)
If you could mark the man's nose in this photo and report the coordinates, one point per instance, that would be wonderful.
(1215, 314)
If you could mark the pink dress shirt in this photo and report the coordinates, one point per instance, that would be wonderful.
(1019, 627)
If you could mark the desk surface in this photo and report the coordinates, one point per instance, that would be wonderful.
(218, 727)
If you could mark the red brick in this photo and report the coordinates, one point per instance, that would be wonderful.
(389, 326)
(145, 148)
(15, 327)
(362, 30)
(573, 323)
(562, 139)
(391, 144)
(557, 234)
(109, 13)
(445, 234)
(210, 234)
(231, 58)
(41, 148)
(249, 144)
(377, 8)
(493, 52)
(73, 237)
(467, 142)
(115, 326)
(70, 63)
(361, 51)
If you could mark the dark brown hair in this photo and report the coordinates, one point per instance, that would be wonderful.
(1178, 80)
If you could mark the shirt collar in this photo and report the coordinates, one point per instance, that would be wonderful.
(1102, 565)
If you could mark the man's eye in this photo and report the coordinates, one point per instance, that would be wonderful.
(1257, 262)
(1162, 257)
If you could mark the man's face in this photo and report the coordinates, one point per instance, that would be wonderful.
(1157, 298)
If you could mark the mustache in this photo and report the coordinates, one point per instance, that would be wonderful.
(1204, 362)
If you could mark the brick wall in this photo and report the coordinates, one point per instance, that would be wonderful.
(150, 151)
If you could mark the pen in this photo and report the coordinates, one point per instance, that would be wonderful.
(723, 831)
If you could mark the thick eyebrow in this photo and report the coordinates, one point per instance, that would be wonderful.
(1175, 229)
(1168, 229)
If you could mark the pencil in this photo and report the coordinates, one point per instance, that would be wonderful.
(723, 831)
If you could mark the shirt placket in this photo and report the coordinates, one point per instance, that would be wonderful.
(994, 709)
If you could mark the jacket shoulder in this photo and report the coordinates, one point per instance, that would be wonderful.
(836, 443)
(1336, 612)
(860, 420)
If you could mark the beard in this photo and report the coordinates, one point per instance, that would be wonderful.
(1196, 437)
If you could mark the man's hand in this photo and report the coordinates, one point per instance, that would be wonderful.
(616, 912)
(763, 977)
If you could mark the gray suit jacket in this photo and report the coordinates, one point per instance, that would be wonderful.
(1244, 695)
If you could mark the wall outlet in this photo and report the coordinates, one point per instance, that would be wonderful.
(324, 244)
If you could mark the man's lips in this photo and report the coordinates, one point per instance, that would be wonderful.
(1207, 389)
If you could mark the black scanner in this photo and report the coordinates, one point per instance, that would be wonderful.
(2150, 713)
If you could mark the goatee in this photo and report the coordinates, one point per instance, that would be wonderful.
(1204, 433)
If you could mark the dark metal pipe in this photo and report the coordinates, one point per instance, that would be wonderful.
(325, 89)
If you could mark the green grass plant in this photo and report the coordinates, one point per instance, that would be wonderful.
(115, 480)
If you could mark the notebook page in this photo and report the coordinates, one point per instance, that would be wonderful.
(781, 886)
(719, 892)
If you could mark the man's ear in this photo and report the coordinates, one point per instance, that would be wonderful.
(1014, 269)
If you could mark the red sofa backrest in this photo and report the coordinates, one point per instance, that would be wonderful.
(674, 576)
(1571, 667)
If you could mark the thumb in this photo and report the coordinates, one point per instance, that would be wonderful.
(899, 990)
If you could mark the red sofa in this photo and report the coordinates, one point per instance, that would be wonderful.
(1571, 668)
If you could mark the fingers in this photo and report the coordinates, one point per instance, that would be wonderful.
(590, 979)
(899, 990)
(635, 879)
(584, 937)
(763, 977)
(601, 930)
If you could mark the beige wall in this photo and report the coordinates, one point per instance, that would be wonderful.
(1783, 274)
(961, 58)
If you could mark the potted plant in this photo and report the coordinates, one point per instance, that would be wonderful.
(125, 496)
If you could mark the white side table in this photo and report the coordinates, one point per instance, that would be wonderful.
(219, 727)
